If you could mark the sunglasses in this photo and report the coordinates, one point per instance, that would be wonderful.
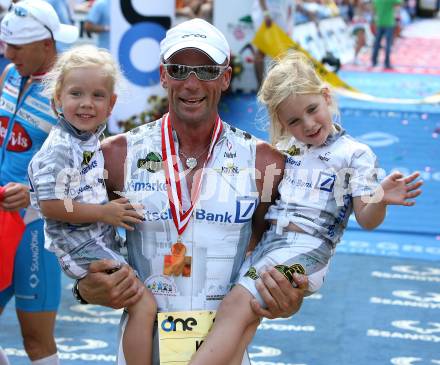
(203, 73)
(23, 13)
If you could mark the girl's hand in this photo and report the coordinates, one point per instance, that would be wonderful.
(15, 196)
(398, 189)
(121, 213)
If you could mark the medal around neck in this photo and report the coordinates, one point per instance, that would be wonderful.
(172, 169)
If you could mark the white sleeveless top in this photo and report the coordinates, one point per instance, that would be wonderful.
(218, 233)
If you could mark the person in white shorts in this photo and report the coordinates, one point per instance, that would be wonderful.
(67, 182)
(328, 175)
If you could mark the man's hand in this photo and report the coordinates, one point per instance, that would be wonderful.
(117, 290)
(15, 196)
(281, 298)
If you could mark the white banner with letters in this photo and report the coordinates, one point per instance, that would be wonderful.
(137, 27)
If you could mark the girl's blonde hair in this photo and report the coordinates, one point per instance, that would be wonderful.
(81, 57)
(293, 74)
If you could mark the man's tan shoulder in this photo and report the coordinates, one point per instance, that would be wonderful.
(268, 155)
(114, 149)
(117, 141)
(114, 146)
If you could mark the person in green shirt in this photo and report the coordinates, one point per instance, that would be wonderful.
(384, 19)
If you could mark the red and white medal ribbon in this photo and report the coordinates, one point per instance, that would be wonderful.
(173, 173)
(38, 77)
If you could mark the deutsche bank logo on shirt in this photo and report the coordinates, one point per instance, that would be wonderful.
(245, 208)
(325, 182)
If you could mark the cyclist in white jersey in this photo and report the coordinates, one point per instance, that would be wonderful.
(210, 234)
(328, 175)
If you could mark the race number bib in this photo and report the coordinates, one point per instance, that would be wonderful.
(181, 334)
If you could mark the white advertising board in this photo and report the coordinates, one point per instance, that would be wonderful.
(307, 35)
(337, 40)
(137, 27)
(232, 17)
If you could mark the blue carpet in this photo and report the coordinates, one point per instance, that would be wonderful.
(371, 310)
(402, 86)
(391, 244)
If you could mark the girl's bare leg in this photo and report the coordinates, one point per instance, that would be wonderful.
(234, 326)
(137, 340)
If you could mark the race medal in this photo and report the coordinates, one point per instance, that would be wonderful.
(177, 263)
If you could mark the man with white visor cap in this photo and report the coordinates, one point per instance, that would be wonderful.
(196, 233)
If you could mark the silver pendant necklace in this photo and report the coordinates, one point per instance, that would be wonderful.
(192, 161)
